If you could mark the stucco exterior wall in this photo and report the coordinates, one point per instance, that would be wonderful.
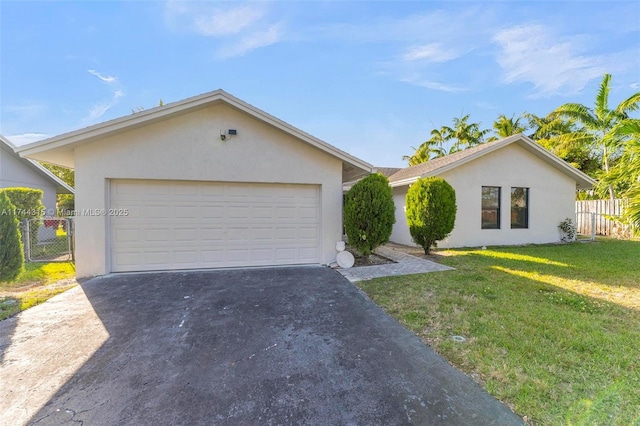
(551, 200)
(15, 173)
(188, 147)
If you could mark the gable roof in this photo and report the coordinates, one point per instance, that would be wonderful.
(61, 186)
(440, 165)
(59, 149)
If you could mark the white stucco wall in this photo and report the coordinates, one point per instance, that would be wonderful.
(188, 147)
(551, 200)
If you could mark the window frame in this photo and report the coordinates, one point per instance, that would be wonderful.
(498, 209)
(515, 225)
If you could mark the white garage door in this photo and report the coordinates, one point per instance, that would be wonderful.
(186, 225)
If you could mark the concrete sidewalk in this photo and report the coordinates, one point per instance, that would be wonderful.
(406, 264)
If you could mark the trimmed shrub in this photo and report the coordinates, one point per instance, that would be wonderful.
(28, 205)
(11, 250)
(369, 213)
(431, 211)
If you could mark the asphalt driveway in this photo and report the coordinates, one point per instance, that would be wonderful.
(278, 346)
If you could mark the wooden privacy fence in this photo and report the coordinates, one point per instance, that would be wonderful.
(592, 218)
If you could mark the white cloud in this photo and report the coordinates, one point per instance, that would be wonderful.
(105, 78)
(555, 65)
(25, 138)
(433, 52)
(635, 86)
(99, 109)
(485, 105)
(434, 85)
(419, 48)
(251, 42)
(239, 29)
(225, 22)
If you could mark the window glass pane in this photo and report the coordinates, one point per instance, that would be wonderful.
(490, 207)
(519, 207)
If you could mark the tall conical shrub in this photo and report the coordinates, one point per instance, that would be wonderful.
(431, 211)
(11, 249)
(369, 213)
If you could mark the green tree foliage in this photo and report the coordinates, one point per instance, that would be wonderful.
(28, 205)
(11, 249)
(550, 133)
(432, 148)
(369, 213)
(65, 202)
(461, 135)
(431, 211)
(627, 169)
(464, 134)
(599, 126)
(508, 126)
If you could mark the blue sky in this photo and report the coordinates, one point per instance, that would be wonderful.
(372, 78)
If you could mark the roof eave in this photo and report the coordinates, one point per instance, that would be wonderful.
(67, 140)
(583, 181)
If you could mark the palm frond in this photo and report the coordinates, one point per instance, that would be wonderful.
(632, 103)
(602, 99)
(577, 112)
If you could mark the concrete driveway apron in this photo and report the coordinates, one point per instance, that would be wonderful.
(280, 346)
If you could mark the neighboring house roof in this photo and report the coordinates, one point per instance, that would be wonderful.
(388, 171)
(59, 149)
(385, 171)
(442, 164)
(61, 186)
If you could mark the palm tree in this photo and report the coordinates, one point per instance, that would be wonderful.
(431, 148)
(597, 124)
(465, 134)
(507, 126)
(563, 138)
(627, 169)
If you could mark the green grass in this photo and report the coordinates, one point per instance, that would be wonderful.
(38, 283)
(553, 331)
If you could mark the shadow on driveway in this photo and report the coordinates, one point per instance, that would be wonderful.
(263, 346)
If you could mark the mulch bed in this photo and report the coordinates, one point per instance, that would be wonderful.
(374, 259)
(434, 256)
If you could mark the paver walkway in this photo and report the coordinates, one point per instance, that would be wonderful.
(406, 265)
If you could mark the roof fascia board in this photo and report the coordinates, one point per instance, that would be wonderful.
(51, 176)
(147, 117)
(294, 131)
(101, 129)
(528, 144)
(39, 168)
(579, 175)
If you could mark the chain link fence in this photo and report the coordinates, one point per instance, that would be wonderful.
(48, 240)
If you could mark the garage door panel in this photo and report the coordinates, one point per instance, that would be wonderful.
(182, 225)
(307, 213)
(286, 213)
(309, 253)
(211, 234)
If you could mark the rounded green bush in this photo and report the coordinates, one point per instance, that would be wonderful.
(431, 211)
(11, 249)
(369, 213)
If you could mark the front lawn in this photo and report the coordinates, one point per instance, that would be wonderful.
(553, 331)
(38, 283)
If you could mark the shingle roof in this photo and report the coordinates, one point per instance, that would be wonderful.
(440, 165)
(388, 171)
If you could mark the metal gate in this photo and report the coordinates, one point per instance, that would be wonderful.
(48, 240)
